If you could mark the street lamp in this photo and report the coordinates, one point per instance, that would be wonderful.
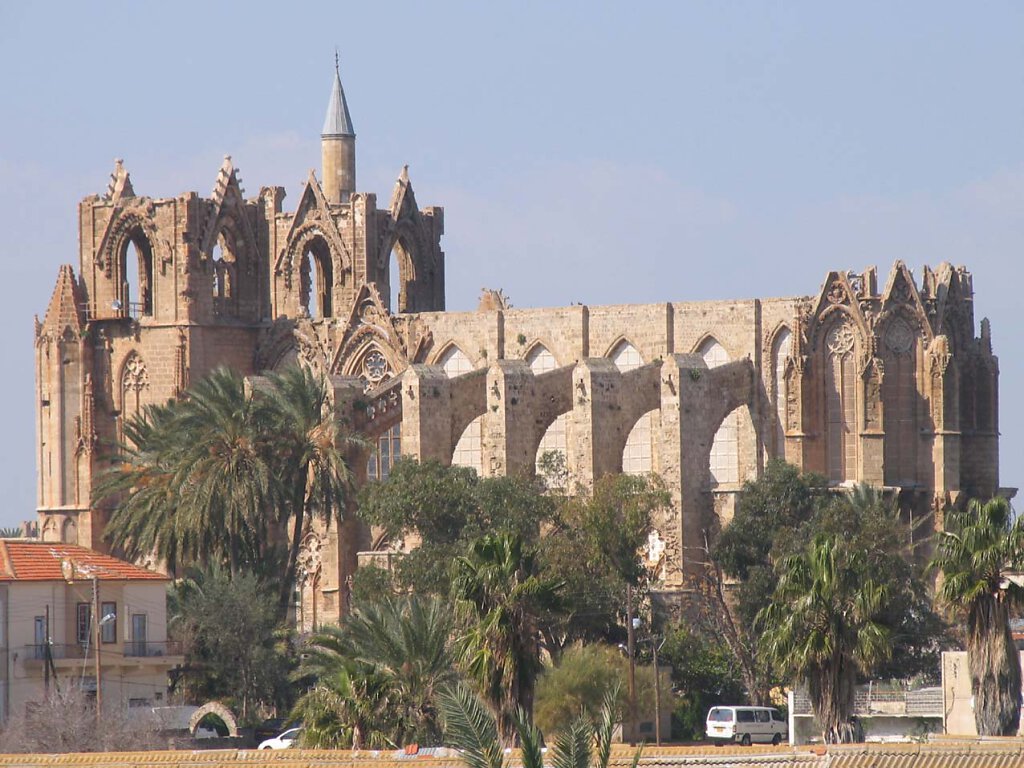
(70, 569)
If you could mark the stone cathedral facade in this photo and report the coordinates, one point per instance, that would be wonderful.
(884, 378)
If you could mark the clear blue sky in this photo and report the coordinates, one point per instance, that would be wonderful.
(584, 151)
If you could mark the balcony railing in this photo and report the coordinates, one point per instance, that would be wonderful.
(131, 649)
(145, 650)
(72, 651)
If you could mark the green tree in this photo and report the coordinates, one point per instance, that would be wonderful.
(447, 508)
(824, 625)
(869, 523)
(222, 475)
(501, 597)
(577, 683)
(377, 679)
(976, 550)
(780, 501)
(143, 481)
(594, 545)
(233, 649)
(768, 509)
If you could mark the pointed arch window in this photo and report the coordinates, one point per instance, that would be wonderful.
(400, 273)
(455, 362)
(136, 269)
(469, 449)
(317, 280)
(69, 531)
(555, 439)
(840, 403)
(224, 268)
(637, 454)
(781, 351)
(899, 392)
(626, 357)
(725, 455)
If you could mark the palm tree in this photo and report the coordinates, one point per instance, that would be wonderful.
(143, 480)
(310, 462)
(195, 480)
(976, 550)
(226, 477)
(501, 598)
(408, 642)
(347, 707)
(381, 674)
(824, 625)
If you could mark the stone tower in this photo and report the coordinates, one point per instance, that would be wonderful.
(338, 145)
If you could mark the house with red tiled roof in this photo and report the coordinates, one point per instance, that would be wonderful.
(51, 594)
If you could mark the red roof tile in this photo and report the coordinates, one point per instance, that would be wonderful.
(41, 561)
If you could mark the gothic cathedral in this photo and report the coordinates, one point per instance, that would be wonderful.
(884, 381)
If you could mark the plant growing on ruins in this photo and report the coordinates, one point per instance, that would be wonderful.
(977, 548)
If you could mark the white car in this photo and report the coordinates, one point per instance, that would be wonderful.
(284, 740)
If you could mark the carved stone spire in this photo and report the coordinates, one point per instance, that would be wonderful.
(65, 309)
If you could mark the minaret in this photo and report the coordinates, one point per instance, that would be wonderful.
(338, 145)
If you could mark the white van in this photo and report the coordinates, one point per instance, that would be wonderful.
(727, 725)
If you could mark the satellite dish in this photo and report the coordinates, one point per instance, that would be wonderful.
(116, 305)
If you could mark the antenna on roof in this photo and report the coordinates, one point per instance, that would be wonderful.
(337, 64)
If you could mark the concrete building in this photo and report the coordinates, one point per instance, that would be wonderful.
(49, 595)
(957, 701)
(877, 377)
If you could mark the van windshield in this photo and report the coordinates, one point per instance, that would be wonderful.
(720, 715)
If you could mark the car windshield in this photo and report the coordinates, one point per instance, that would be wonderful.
(719, 715)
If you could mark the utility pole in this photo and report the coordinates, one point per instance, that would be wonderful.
(630, 646)
(96, 640)
(46, 653)
(655, 647)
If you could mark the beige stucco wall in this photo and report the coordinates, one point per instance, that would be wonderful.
(956, 695)
(123, 678)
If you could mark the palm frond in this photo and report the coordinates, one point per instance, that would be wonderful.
(605, 727)
(470, 727)
(530, 741)
(636, 756)
(572, 747)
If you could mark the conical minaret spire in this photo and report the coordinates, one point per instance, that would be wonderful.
(338, 145)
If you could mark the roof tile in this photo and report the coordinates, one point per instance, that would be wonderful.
(26, 560)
